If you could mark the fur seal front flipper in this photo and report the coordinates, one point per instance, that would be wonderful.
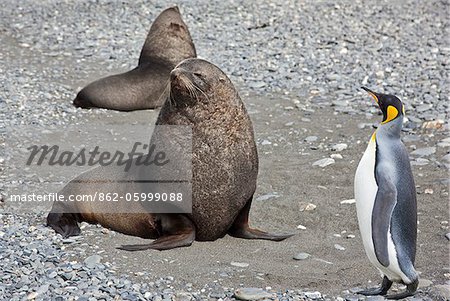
(241, 229)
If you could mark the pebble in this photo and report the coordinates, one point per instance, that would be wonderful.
(301, 256)
(424, 282)
(425, 151)
(268, 196)
(313, 295)
(324, 162)
(239, 264)
(339, 147)
(308, 207)
(251, 293)
(92, 261)
(435, 124)
(444, 291)
(420, 162)
(336, 156)
(311, 139)
(423, 108)
(339, 247)
(349, 201)
(447, 236)
(428, 191)
(375, 298)
(32, 296)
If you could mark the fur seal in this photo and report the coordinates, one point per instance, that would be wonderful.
(224, 167)
(168, 43)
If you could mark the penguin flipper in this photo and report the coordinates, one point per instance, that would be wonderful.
(383, 207)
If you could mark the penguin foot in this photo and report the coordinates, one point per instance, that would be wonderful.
(410, 291)
(382, 290)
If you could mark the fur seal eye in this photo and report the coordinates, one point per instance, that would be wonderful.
(198, 74)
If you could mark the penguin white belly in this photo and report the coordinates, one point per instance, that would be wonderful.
(365, 193)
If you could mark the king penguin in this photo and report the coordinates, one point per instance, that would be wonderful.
(386, 202)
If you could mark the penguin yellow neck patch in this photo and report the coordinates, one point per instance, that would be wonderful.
(392, 113)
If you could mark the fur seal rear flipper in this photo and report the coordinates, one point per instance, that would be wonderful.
(177, 231)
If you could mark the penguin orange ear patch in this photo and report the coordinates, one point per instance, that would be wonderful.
(392, 113)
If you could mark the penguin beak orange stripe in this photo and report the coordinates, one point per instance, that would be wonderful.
(373, 94)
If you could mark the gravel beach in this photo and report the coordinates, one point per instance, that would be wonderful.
(298, 66)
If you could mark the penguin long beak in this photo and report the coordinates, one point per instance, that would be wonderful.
(373, 94)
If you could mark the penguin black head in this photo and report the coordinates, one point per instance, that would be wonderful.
(390, 105)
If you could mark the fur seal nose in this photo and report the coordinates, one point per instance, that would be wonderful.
(175, 73)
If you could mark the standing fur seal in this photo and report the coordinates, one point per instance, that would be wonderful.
(224, 168)
(386, 202)
(168, 43)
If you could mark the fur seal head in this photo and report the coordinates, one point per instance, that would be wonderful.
(198, 82)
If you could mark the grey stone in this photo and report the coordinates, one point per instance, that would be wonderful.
(268, 196)
(239, 264)
(92, 261)
(425, 151)
(339, 147)
(301, 256)
(251, 293)
(313, 295)
(423, 108)
(324, 162)
(375, 298)
(443, 291)
(424, 282)
(339, 247)
(446, 158)
(311, 138)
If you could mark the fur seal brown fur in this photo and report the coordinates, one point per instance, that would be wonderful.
(224, 167)
(168, 43)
